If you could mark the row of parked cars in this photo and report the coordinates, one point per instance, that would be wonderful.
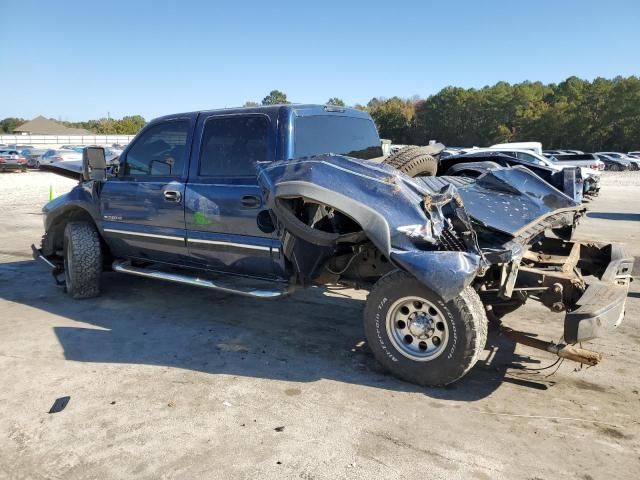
(22, 157)
(614, 161)
(576, 174)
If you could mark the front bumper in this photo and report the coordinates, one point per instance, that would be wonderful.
(601, 308)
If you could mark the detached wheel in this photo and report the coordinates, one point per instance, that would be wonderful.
(413, 161)
(420, 338)
(82, 260)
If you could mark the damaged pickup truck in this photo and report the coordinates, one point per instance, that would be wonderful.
(257, 201)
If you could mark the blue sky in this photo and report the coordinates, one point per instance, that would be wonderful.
(78, 60)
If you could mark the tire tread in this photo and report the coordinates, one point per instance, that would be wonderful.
(84, 245)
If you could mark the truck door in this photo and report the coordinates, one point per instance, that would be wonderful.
(223, 200)
(143, 207)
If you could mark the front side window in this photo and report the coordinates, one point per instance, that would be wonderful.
(160, 151)
(231, 145)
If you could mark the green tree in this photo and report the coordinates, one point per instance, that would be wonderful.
(394, 118)
(250, 103)
(336, 101)
(129, 125)
(9, 124)
(275, 97)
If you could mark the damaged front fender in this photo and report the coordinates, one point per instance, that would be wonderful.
(334, 202)
(446, 273)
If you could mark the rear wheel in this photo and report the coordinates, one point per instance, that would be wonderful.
(418, 336)
(413, 161)
(82, 260)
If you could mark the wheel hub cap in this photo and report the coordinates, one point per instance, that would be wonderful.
(421, 325)
(417, 328)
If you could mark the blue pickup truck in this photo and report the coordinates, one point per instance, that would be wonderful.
(259, 201)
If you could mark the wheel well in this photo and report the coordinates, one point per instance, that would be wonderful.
(54, 238)
(344, 253)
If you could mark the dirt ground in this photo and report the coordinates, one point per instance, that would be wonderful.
(168, 381)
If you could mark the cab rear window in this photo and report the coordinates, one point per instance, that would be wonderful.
(351, 136)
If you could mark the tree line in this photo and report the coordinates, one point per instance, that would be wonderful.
(592, 116)
(603, 114)
(598, 115)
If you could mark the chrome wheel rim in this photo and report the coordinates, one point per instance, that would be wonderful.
(417, 328)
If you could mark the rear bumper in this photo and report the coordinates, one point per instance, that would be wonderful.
(12, 166)
(601, 308)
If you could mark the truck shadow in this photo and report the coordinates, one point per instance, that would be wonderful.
(310, 335)
(614, 216)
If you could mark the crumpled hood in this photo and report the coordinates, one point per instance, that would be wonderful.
(510, 200)
(66, 168)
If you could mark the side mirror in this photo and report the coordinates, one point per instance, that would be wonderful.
(94, 164)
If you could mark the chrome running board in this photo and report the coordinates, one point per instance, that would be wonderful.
(124, 266)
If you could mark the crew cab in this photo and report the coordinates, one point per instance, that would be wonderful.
(259, 201)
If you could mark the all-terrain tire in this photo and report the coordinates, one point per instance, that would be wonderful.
(82, 260)
(465, 319)
(413, 161)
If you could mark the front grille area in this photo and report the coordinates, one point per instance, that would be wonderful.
(451, 241)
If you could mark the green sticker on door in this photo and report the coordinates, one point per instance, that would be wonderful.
(200, 218)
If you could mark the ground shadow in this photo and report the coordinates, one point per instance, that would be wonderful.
(615, 216)
(310, 335)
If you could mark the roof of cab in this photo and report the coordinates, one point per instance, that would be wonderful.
(297, 109)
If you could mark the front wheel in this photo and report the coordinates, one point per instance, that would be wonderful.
(419, 337)
(82, 260)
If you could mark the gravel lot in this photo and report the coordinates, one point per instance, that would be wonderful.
(168, 381)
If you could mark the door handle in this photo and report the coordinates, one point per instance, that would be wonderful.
(251, 201)
(172, 196)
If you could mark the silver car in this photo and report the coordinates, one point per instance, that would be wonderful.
(633, 163)
(61, 155)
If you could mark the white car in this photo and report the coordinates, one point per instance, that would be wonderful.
(61, 155)
(533, 146)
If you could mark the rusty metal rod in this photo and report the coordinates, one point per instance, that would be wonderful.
(570, 352)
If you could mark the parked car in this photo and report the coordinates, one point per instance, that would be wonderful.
(59, 155)
(111, 153)
(584, 160)
(211, 198)
(33, 156)
(613, 164)
(634, 154)
(533, 146)
(633, 163)
(12, 160)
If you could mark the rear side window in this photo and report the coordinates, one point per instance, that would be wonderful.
(574, 156)
(351, 136)
(160, 151)
(231, 145)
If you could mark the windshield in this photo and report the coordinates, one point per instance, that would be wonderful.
(351, 136)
